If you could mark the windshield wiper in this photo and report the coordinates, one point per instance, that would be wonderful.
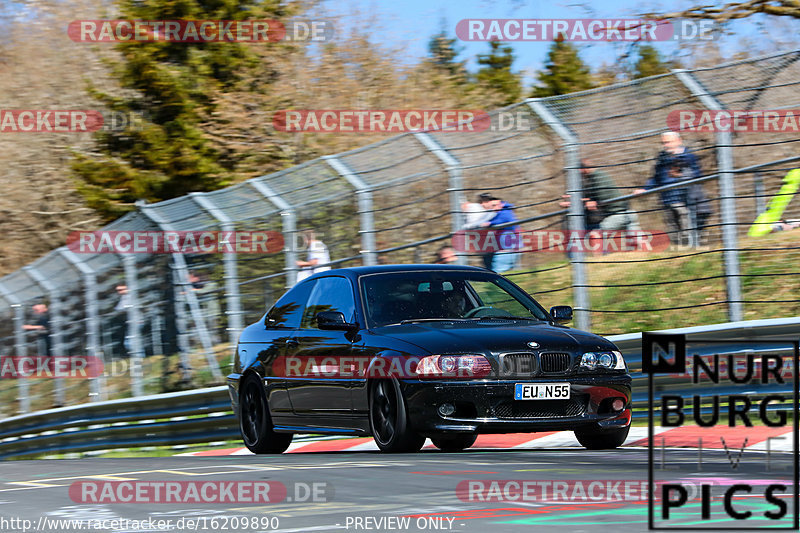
(504, 317)
(413, 320)
(456, 319)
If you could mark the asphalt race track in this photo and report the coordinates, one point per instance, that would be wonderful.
(370, 491)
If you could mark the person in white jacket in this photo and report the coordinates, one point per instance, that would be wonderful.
(317, 254)
(475, 213)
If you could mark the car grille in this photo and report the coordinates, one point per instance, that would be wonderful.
(555, 362)
(517, 365)
(541, 408)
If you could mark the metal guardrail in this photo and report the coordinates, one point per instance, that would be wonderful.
(204, 415)
(161, 419)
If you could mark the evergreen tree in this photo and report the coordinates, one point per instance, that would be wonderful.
(649, 63)
(443, 52)
(496, 76)
(172, 86)
(564, 72)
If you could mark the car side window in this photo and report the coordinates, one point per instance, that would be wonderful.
(288, 310)
(329, 294)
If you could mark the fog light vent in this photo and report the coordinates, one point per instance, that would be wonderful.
(618, 404)
(447, 409)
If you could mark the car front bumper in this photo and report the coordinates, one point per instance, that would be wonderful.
(490, 407)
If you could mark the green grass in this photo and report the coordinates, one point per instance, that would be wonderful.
(766, 276)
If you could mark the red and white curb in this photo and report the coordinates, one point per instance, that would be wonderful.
(718, 437)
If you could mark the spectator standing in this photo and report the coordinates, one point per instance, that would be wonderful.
(122, 307)
(507, 237)
(317, 255)
(42, 328)
(476, 215)
(676, 163)
(601, 213)
(686, 167)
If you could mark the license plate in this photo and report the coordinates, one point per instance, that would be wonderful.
(541, 391)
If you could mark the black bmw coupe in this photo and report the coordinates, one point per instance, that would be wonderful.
(405, 352)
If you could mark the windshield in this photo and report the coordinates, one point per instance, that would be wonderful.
(398, 297)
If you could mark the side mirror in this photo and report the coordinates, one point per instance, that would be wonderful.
(333, 320)
(561, 313)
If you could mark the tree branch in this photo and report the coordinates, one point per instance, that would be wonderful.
(735, 10)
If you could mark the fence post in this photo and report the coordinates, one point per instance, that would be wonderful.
(133, 330)
(56, 326)
(232, 297)
(20, 348)
(455, 188)
(181, 322)
(96, 384)
(365, 215)
(289, 225)
(727, 191)
(575, 217)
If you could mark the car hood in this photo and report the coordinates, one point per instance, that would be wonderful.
(494, 337)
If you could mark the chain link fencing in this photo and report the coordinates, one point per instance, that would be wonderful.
(162, 322)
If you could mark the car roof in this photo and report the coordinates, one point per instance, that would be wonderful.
(354, 272)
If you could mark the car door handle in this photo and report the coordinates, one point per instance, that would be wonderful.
(292, 342)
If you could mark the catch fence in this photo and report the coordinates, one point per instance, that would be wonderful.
(178, 316)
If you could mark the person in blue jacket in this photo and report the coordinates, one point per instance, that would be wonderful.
(676, 163)
(505, 258)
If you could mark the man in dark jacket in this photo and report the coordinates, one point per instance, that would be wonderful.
(598, 191)
(676, 163)
(42, 328)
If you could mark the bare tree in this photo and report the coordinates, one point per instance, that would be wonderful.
(736, 10)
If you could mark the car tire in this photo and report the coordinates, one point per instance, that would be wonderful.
(602, 440)
(255, 422)
(388, 418)
(457, 443)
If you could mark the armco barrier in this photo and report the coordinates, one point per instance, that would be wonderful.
(204, 415)
(162, 419)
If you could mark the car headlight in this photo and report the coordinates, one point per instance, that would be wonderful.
(603, 360)
(620, 362)
(454, 366)
(589, 361)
